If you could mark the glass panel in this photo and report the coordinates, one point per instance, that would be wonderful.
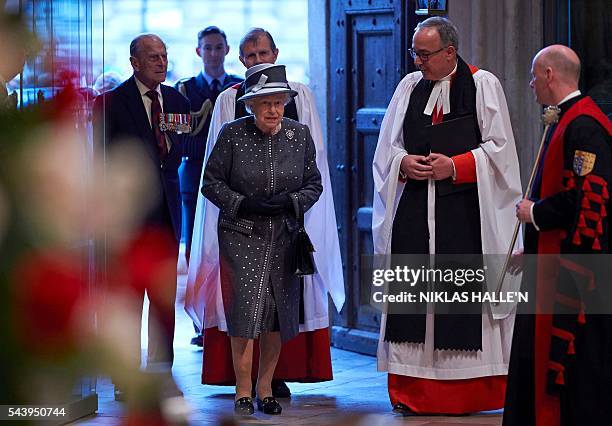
(177, 22)
(51, 142)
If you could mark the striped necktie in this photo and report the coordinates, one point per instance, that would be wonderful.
(156, 111)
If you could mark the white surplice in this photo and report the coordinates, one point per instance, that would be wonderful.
(499, 189)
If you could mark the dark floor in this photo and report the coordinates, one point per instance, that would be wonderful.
(356, 396)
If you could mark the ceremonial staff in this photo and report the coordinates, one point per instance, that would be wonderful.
(549, 117)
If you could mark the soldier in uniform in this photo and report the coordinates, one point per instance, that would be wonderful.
(206, 86)
(202, 91)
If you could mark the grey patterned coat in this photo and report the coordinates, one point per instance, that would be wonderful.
(254, 250)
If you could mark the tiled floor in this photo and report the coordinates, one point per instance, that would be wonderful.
(356, 396)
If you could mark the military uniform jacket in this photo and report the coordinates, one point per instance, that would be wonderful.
(197, 90)
(254, 250)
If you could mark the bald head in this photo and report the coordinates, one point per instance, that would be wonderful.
(555, 73)
(562, 60)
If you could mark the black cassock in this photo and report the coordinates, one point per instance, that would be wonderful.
(457, 221)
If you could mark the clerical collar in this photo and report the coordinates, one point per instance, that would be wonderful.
(570, 96)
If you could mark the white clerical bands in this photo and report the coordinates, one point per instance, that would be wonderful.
(439, 95)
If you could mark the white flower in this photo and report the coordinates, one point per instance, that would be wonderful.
(551, 115)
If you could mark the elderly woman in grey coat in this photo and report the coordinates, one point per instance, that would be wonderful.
(260, 171)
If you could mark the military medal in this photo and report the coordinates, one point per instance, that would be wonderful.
(179, 123)
(162, 123)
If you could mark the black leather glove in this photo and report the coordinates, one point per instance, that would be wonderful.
(256, 205)
(282, 200)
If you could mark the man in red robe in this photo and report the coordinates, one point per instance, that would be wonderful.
(560, 364)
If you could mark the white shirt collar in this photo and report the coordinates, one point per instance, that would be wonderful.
(144, 89)
(570, 96)
(209, 79)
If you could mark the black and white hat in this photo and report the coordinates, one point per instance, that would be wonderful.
(264, 80)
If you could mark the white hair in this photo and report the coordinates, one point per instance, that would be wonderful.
(248, 103)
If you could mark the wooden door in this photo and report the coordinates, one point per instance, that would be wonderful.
(368, 44)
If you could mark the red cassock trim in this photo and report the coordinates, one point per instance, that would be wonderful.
(429, 396)
(306, 358)
(437, 116)
(465, 168)
(465, 164)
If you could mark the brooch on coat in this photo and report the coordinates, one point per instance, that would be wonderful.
(289, 133)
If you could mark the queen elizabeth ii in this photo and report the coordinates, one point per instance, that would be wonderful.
(261, 171)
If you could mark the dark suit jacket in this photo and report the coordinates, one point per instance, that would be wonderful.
(120, 114)
(197, 91)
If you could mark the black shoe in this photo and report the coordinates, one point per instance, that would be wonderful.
(198, 341)
(269, 405)
(403, 409)
(280, 389)
(119, 394)
(244, 406)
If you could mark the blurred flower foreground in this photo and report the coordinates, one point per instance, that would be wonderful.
(71, 237)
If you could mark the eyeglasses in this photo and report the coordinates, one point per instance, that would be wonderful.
(424, 56)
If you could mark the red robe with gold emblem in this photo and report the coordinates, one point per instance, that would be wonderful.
(560, 364)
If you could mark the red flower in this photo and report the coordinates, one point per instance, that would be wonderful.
(150, 259)
(48, 287)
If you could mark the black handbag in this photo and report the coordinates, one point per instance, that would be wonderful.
(302, 246)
